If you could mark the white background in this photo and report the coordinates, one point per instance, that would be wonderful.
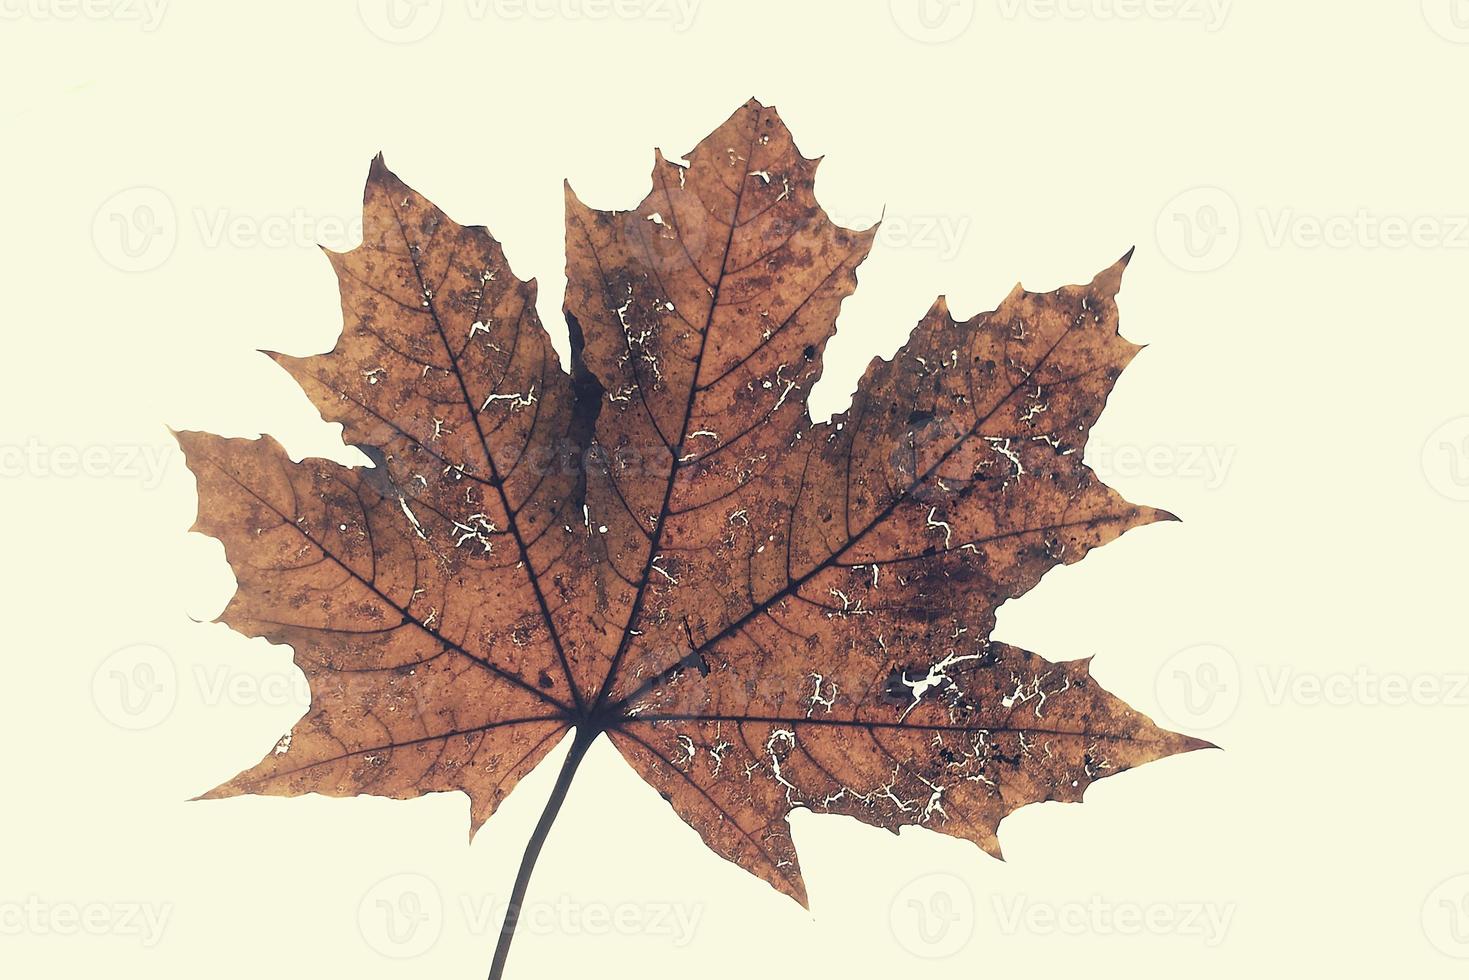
(1293, 176)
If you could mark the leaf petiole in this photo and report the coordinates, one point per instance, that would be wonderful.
(585, 736)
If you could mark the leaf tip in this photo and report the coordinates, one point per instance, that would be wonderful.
(1192, 744)
(223, 792)
(380, 177)
(796, 889)
(476, 821)
(573, 203)
(1109, 280)
(187, 440)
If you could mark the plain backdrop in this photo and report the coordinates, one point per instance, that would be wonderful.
(1293, 177)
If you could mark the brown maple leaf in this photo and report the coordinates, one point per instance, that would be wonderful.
(760, 611)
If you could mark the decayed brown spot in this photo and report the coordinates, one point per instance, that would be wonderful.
(762, 613)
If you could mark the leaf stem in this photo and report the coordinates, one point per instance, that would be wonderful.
(585, 736)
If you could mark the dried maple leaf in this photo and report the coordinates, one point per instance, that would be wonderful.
(760, 611)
